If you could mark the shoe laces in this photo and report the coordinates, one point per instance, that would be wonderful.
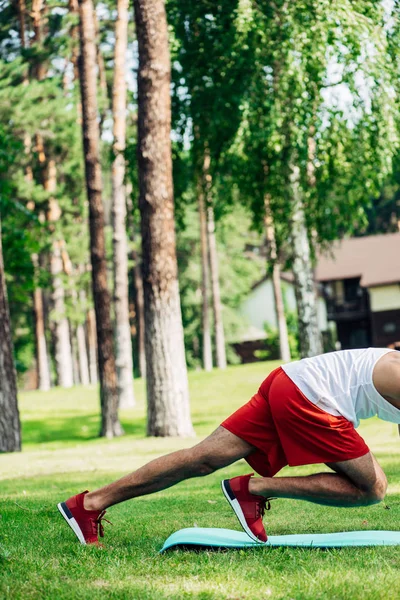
(263, 505)
(97, 524)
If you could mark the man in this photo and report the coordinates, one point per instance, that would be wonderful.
(304, 413)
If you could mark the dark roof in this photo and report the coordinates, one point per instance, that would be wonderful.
(375, 259)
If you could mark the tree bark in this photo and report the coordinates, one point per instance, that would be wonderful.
(75, 359)
(40, 68)
(310, 338)
(205, 278)
(139, 294)
(123, 341)
(110, 425)
(214, 268)
(82, 355)
(92, 344)
(74, 33)
(167, 384)
(63, 346)
(10, 427)
(276, 283)
(101, 73)
(42, 363)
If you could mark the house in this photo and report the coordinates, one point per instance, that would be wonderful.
(358, 296)
(360, 282)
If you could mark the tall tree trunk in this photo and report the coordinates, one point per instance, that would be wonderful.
(101, 73)
(310, 338)
(276, 282)
(167, 384)
(63, 346)
(75, 359)
(92, 345)
(138, 285)
(42, 363)
(110, 425)
(82, 355)
(123, 341)
(21, 6)
(74, 34)
(205, 278)
(214, 268)
(37, 10)
(63, 349)
(10, 428)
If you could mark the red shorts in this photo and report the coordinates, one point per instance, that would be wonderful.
(287, 429)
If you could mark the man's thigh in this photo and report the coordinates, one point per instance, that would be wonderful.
(365, 471)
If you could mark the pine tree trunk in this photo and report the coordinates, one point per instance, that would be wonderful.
(75, 360)
(63, 346)
(36, 13)
(92, 344)
(82, 355)
(138, 284)
(216, 294)
(310, 338)
(10, 428)
(101, 69)
(63, 349)
(167, 383)
(205, 278)
(139, 302)
(214, 268)
(123, 341)
(74, 34)
(110, 425)
(276, 283)
(42, 363)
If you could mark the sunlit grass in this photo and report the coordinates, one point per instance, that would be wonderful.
(40, 558)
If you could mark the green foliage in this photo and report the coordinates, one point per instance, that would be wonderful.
(272, 351)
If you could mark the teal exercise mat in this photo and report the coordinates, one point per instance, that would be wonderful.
(228, 538)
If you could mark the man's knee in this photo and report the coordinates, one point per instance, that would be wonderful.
(377, 492)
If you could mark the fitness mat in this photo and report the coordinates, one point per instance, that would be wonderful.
(228, 538)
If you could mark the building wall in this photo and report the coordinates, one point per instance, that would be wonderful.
(385, 314)
(385, 326)
(259, 307)
(385, 297)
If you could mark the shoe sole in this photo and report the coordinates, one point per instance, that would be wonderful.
(68, 516)
(230, 496)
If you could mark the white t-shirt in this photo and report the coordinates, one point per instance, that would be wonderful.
(340, 383)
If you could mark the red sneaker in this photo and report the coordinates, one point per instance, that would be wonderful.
(248, 508)
(86, 524)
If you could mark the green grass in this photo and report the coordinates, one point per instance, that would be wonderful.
(41, 558)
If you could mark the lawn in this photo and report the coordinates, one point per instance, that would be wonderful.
(41, 558)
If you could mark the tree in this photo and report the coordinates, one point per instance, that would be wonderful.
(205, 276)
(10, 428)
(211, 50)
(110, 425)
(123, 342)
(167, 385)
(294, 122)
(284, 347)
(137, 277)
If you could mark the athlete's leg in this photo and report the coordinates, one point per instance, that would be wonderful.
(356, 482)
(218, 450)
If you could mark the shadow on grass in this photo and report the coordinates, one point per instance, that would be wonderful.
(72, 429)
